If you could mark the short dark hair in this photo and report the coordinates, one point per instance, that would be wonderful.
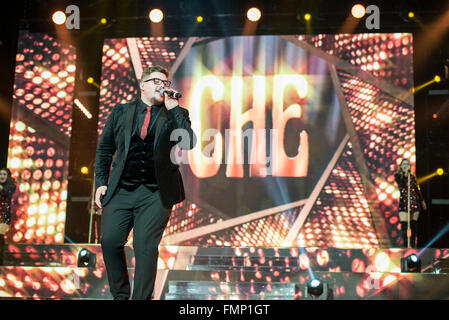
(152, 69)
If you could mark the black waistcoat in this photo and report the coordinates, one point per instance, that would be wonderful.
(139, 168)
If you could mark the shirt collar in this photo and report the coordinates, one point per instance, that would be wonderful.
(142, 106)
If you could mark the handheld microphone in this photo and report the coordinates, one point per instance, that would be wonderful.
(170, 93)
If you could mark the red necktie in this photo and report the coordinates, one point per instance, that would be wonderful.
(146, 122)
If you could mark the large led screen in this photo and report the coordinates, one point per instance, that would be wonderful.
(40, 131)
(298, 136)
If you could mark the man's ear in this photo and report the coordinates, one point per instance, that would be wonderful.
(141, 85)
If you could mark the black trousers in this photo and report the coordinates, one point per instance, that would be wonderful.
(143, 211)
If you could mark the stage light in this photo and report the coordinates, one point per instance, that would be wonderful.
(358, 11)
(156, 15)
(86, 259)
(199, 19)
(91, 81)
(314, 288)
(83, 108)
(59, 17)
(307, 16)
(103, 21)
(411, 14)
(253, 14)
(84, 170)
(435, 116)
(437, 79)
(438, 172)
(440, 233)
(411, 263)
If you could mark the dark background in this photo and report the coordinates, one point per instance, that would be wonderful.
(226, 18)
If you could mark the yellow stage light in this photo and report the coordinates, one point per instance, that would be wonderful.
(358, 11)
(90, 80)
(58, 17)
(253, 14)
(156, 15)
(438, 172)
(103, 21)
(435, 79)
(411, 14)
(84, 170)
(307, 16)
(199, 19)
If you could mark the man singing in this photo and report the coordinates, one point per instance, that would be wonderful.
(144, 183)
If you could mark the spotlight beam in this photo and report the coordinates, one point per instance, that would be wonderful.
(437, 172)
(92, 82)
(93, 28)
(253, 16)
(437, 236)
(411, 15)
(428, 83)
(349, 25)
(442, 108)
(427, 41)
(307, 18)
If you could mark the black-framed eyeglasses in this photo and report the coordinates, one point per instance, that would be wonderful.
(158, 81)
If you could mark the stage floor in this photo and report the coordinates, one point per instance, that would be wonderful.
(223, 273)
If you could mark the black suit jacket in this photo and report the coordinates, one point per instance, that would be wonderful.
(116, 138)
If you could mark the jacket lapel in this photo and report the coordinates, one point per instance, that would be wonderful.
(161, 119)
(129, 125)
